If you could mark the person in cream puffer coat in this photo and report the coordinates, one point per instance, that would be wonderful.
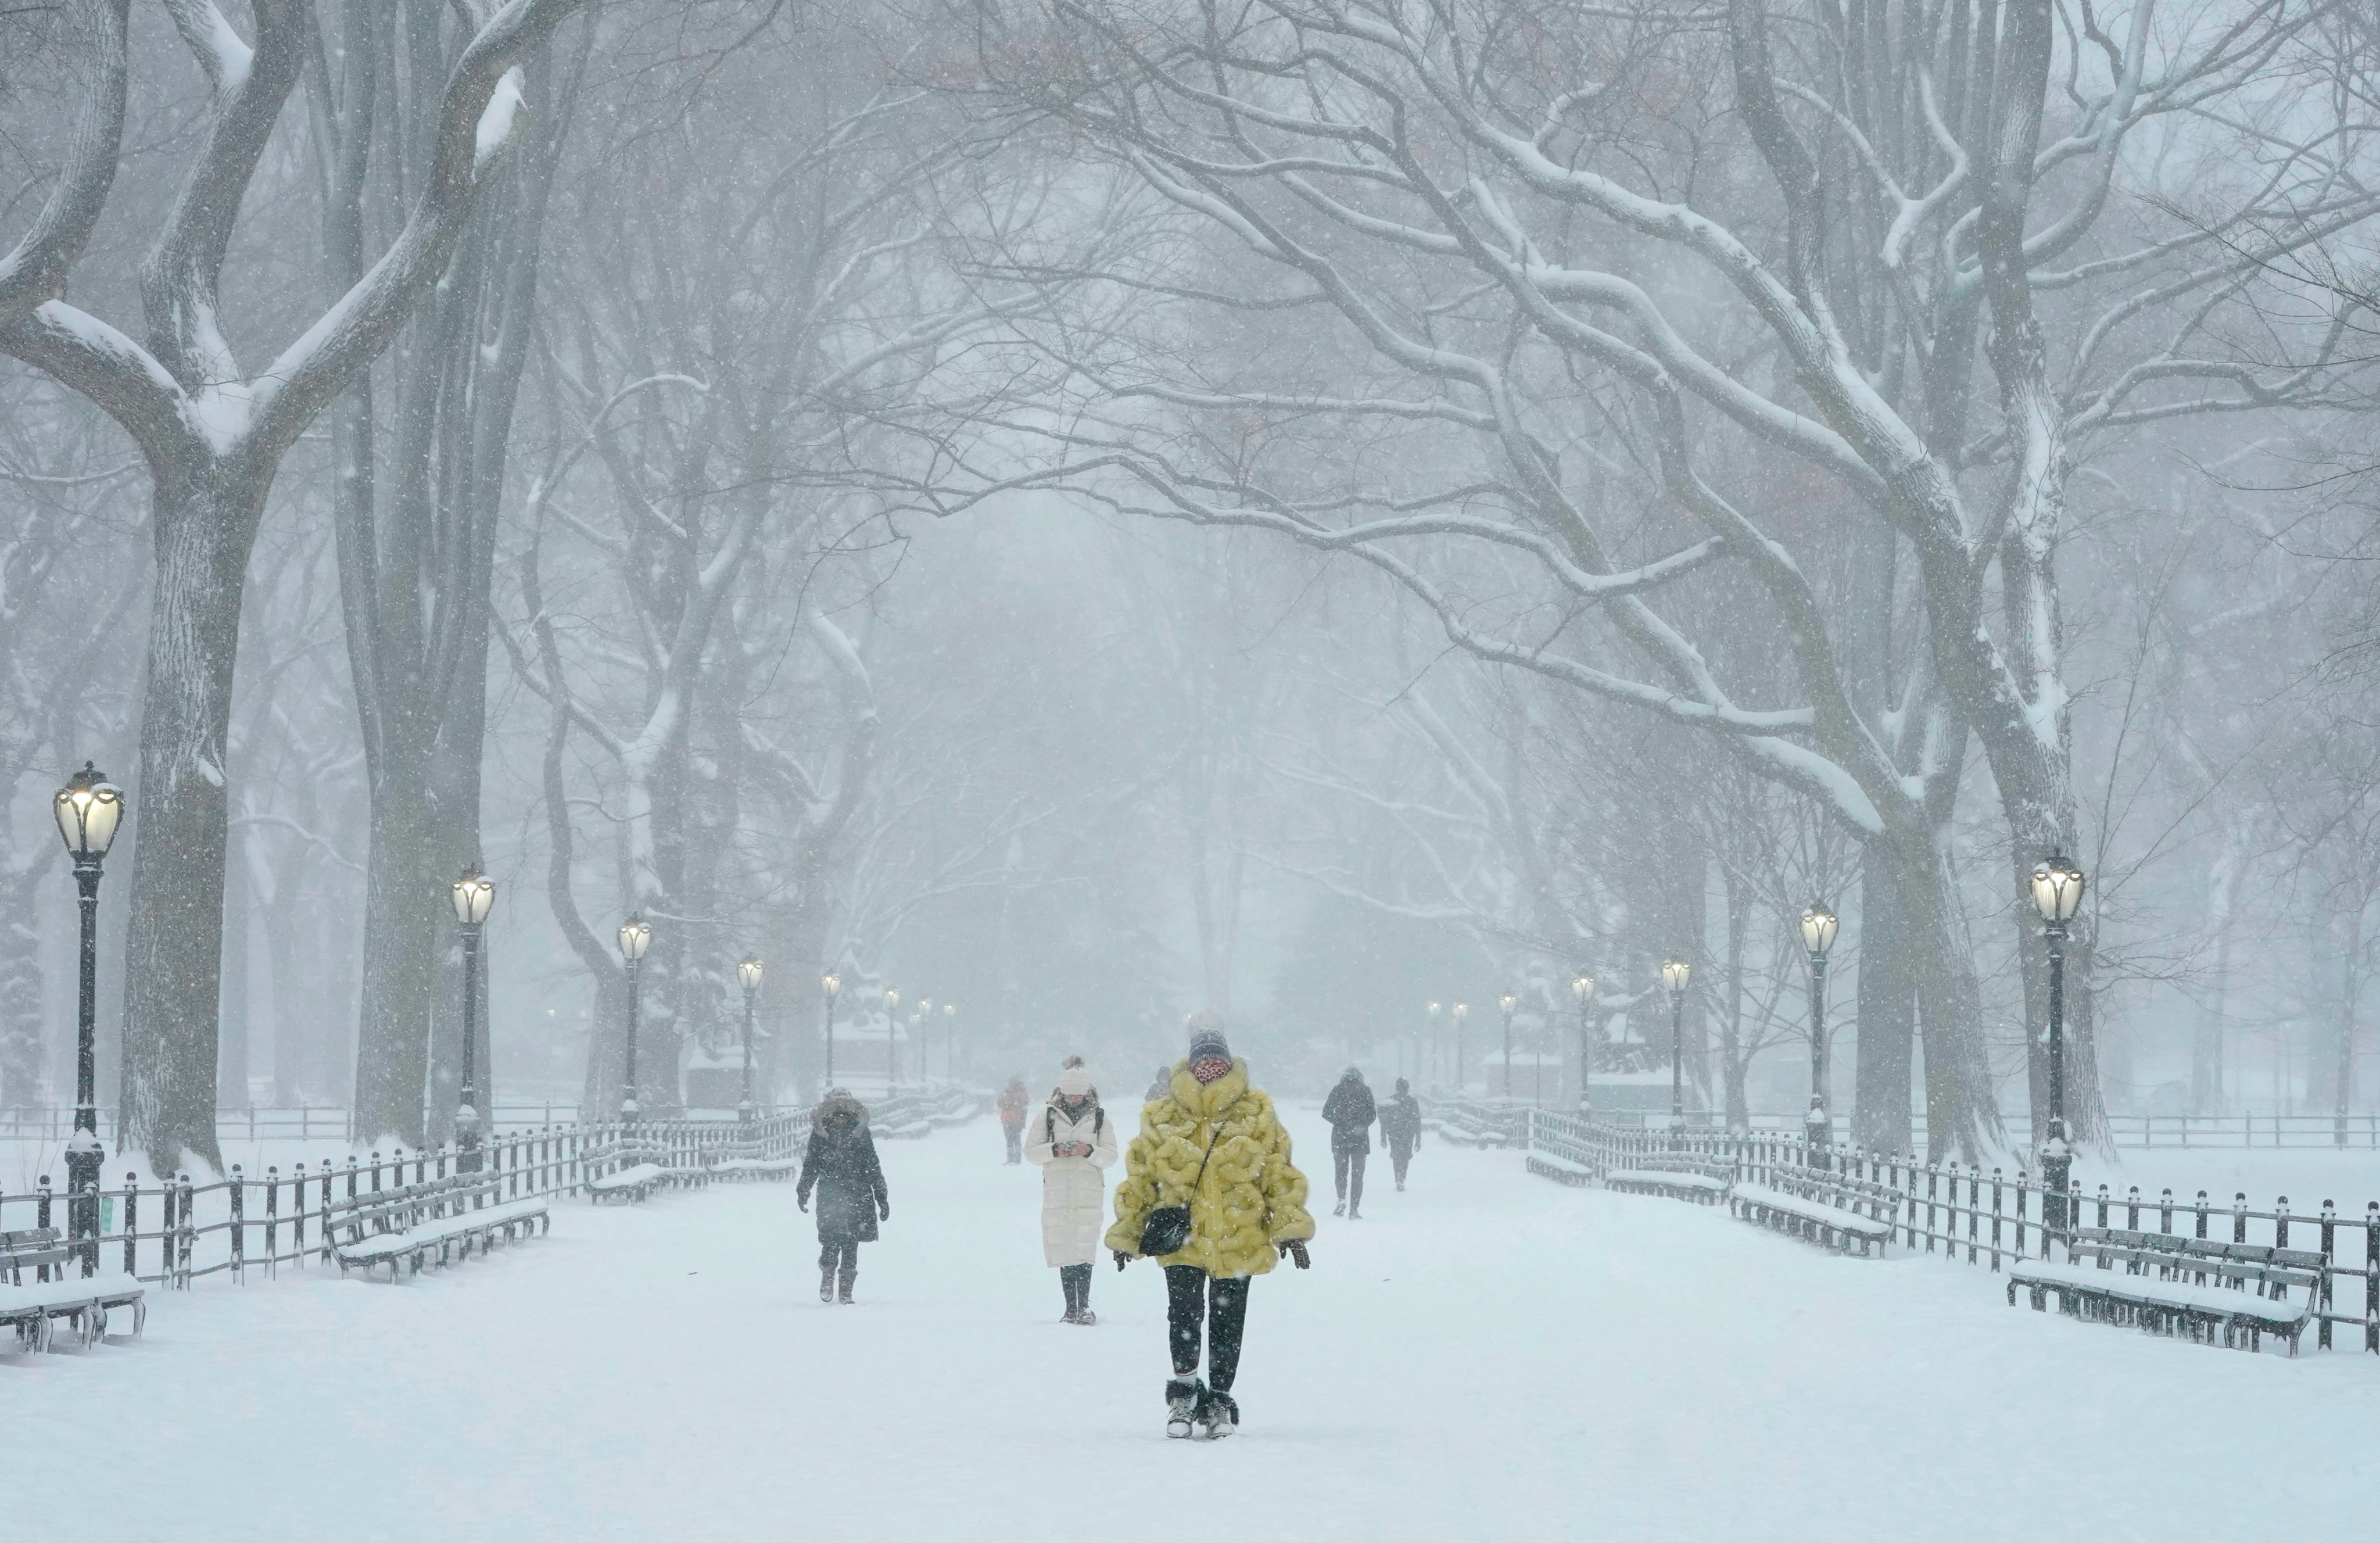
(1072, 1144)
(1247, 1204)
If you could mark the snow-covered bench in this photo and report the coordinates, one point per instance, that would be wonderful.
(1562, 1170)
(1679, 1175)
(2230, 1292)
(632, 1182)
(31, 1307)
(1822, 1209)
(407, 1226)
(757, 1168)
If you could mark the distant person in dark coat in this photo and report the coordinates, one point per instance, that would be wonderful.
(1159, 1085)
(1400, 1128)
(840, 1165)
(1351, 1112)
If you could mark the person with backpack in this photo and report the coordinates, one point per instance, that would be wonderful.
(1400, 1128)
(1011, 1117)
(1350, 1111)
(1211, 1192)
(1074, 1146)
(840, 1165)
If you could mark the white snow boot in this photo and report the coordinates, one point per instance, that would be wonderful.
(1185, 1397)
(1219, 1415)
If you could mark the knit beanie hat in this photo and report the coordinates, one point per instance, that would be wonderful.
(1075, 1081)
(1206, 1037)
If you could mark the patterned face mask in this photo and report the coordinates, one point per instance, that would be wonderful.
(1208, 1069)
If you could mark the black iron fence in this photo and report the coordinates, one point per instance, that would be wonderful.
(1990, 1218)
(177, 1230)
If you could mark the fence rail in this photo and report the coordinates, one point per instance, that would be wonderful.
(1997, 1217)
(177, 1230)
(2128, 1132)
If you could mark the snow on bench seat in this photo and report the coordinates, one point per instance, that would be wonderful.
(2226, 1301)
(1562, 1170)
(1666, 1179)
(2195, 1286)
(31, 1307)
(380, 1247)
(632, 1182)
(1796, 1213)
(757, 1168)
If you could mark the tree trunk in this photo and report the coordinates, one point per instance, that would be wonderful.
(204, 518)
(1886, 1016)
(238, 1002)
(21, 1057)
(402, 904)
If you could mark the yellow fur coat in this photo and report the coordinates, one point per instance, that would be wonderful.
(1252, 1196)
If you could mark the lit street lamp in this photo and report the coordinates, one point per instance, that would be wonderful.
(830, 983)
(1507, 1001)
(636, 936)
(1582, 986)
(1462, 1010)
(749, 973)
(473, 893)
(2057, 895)
(1673, 975)
(1818, 926)
(89, 809)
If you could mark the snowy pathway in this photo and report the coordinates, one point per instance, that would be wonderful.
(1487, 1357)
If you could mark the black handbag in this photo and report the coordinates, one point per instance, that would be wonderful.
(1166, 1228)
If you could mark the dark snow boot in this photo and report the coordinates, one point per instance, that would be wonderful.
(843, 1286)
(1184, 1398)
(1219, 1415)
(826, 1285)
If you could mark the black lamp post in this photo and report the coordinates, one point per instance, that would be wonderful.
(892, 1039)
(1582, 986)
(749, 973)
(636, 936)
(1818, 926)
(1674, 975)
(89, 809)
(1506, 1002)
(473, 893)
(2056, 893)
(829, 983)
(1434, 1010)
(949, 1041)
(1462, 1010)
(921, 1029)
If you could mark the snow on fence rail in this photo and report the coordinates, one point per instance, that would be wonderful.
(1995, 1217)
(175, 1232)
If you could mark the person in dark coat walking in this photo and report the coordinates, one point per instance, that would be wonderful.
(1400, 1128)
(840, 1165)
(1159, 1085)
(1351, 1112)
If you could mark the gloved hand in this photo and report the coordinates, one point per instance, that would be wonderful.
(1122, 1258)
(1295, 1250)
(884, 1210)
(802, 1204)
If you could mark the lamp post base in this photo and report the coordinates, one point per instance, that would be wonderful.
(2057, 1186)
(1817, 1134)
(468, 1155)
(84, 1154)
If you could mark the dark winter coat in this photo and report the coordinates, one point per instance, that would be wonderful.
(1351, 1112)
(1401, 1121)
(840, 1165)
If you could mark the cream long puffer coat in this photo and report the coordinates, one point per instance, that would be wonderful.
(1074, 1189)
(1251, 1197)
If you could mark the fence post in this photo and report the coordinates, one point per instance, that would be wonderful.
(238, 1226)
(131, 1222)
(2281, 1223)
(271, 1221)
(2372, 1276)
(2322, 1308)
(2201, 1215)
(186, 1237)
(2240, 1217)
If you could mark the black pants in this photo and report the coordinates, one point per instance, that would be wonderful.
(1347, 1174)
(1015, 1134)
(1074, 1279)
(1194, 1298)
(1400, 1153)
(846, 1255)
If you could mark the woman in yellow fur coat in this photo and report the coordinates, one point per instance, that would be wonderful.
(1213, 1142)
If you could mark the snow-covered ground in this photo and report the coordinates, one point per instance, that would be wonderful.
(1487, 1357)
